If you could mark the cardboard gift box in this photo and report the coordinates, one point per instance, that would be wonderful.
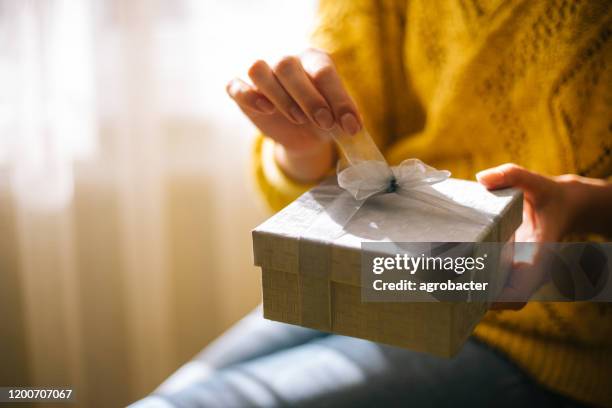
(312, 276)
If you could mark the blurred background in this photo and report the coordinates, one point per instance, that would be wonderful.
(126, 201)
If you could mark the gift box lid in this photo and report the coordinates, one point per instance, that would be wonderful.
(288, 242)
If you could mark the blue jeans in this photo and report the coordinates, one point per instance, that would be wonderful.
(259, 363)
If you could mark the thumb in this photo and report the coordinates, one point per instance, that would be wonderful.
(511, 175)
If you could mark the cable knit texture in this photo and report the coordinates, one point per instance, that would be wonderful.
(469, 84)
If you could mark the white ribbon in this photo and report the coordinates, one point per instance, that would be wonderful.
(412, 179)
(368, 178)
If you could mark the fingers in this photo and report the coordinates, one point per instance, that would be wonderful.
(303, 89)
(511, 175)
(268, 84)
(293, 78)
(248, 98)
(323, 74)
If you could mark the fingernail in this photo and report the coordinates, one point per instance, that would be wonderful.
(350, 124)
(264, 105)
(297, 115)
(231, 87)
(490, 178)
(324, 118)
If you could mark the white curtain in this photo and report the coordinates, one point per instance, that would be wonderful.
(125, 195)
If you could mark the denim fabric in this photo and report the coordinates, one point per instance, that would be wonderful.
(259, 363)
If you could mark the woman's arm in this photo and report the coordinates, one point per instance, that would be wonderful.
(553, 208)
(364, 39)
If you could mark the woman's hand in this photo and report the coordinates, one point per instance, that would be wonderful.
(295, 102)
(553, 207)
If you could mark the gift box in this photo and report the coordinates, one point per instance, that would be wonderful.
(312, 253)
(310, 262)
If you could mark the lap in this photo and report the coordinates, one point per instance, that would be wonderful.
(271, 364)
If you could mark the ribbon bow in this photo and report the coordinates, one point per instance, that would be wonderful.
(369, 174)
(369, 178)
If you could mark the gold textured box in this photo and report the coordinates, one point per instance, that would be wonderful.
(315, 281)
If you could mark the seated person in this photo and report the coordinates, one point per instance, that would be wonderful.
(464, 86)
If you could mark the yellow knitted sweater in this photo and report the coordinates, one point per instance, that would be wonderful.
(469, 84)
